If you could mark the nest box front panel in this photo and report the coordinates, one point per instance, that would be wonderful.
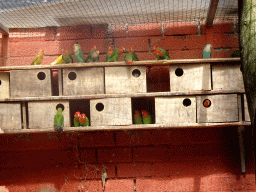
(30, 83)
(10, 116)
(4, 85)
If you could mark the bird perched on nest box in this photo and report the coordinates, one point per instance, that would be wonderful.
(160, 53)
(84, 121)
(76, 119)
(110, 51)
(93, 55)
(137, 117)
(207, 51)
(39, 58)
(146, 117)
(66, 56)
(78, 53)
(116, 54)
(59, 121)
(130, 56)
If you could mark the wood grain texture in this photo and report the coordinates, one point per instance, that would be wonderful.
(226, 77)
(171, 110)
(130, 79)
(10, 116)
(223, 108)
(4, 85)
(88, 81)
(193, 77)
(41, 114)
(26, 83)
(246, 111)
(117, 111)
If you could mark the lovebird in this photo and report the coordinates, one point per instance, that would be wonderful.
(78, 54)
(93, 55)
(59, 60)
(137, 117)
(59, 121)
(146, 117)
(207, 51)
(39, 58)
(110, 51)
(66, 56)
(160, 53)
(116, 54)
(76, 119)
(130, 56)
(84, 121)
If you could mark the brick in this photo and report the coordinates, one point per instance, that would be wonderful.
(26, 187)
(186, 54)
(134, 170)
(87, 155)
(50, 33)
(119, 185)
(222, 53)
(74, 32)
(113, 155)
(133, 138)
(225, 41)
(223, 27)
(138, 43)
(165, 184)
(91, 171)
(145, 30)
(88, 185)
(181, 28)
(118, 31)
(99, 31)
(151, 154)
(96, 139)
(161, 169)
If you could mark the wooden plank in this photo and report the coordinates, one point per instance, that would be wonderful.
(211, 12)
(24, 115)
(41, 114)
(129, 79)
(4, 85)
(10, 116)
(83, 81)
(101, 96)
(111, 111)
(190, 77)
(3, 29)
(122, 63)
(29, 83)
(223, 108)
(175, 110)
(226, 77)
(246, 111)
(60, 81)
(132, 127)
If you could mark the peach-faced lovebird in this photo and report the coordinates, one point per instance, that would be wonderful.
(207, 51)
(130, 56)
(78, 53)
(59, 60)
(160, 53)
(110, 51)
(59, 121)
(137, 117)
(116, 54)
(66, 56)
(39, 58)
(76, 119)
(83, 121)
(93, 55)
(146, 117)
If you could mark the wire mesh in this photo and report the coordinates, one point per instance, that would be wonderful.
(44, 13)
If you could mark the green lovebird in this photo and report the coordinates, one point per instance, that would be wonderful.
(160, 53)
(93, 55)
(130, 56)
(207, 51)
(76, 119)
(78, 54)
(110, 51)
(84, 121)
(116, 54)
(147, 119)
(137, 117)
(39, 58)
(59, 121)
(66, 56)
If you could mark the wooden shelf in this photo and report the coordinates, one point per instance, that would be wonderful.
(129, 127)
(122, 63)
(101, 96)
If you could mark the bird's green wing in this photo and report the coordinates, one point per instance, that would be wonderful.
(135, 57)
